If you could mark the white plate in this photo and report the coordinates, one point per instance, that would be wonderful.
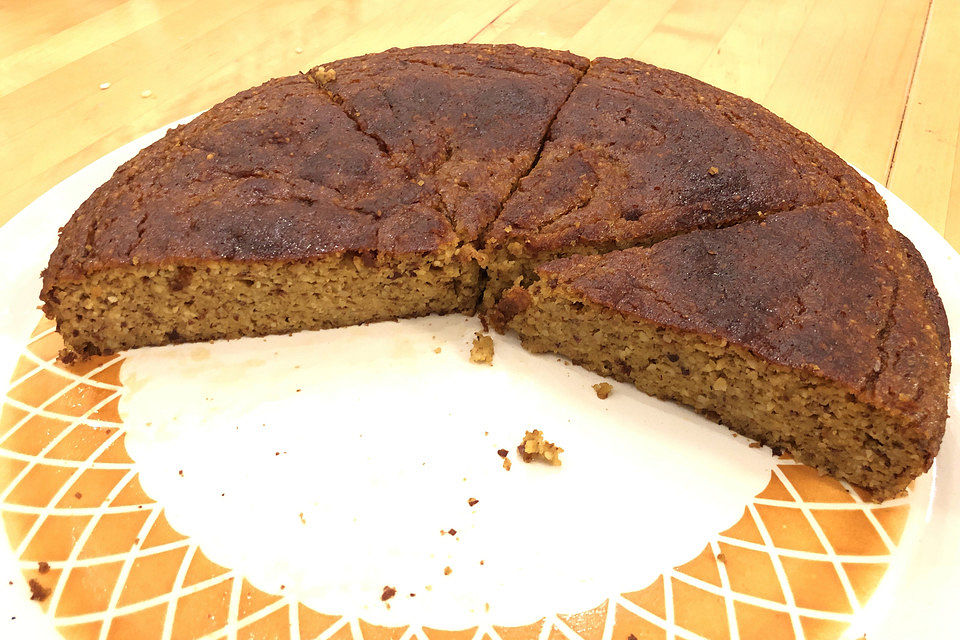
(921, 600)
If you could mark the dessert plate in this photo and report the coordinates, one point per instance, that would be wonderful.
(347, 484)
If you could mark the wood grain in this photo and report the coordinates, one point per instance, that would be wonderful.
(875, 80)
(926, 167)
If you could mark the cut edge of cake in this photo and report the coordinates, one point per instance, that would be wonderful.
(224, 299)
(877, 427)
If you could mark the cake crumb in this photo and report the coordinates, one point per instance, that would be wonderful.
(104, 86)
(321, 75)
(472, 502)
(755, 445)
(533, 446)
(388, 592)
(437, 350)
(713, 171)
(302, 519)
(447, 571)
(507, 464)
(603, 390)
(38, 592)
(43, 567)
(78, 495)
(721, 558)
(482, 350)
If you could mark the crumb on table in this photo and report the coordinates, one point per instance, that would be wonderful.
(482, 350)
(43, 567)
(534, 447)
(388, 592)
(603, 390)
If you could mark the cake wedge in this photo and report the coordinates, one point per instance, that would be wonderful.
(813, 331)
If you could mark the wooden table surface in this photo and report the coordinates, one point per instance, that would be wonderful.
(876, 80)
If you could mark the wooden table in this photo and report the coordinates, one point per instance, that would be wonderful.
(876, 80)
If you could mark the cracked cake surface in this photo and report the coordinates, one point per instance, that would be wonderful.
(639, 153)
(647, 225)
(467, 119)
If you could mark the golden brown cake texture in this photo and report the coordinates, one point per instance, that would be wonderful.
(810, 331)
(638, 154)
(745, 270)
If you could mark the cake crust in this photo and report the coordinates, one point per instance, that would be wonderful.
(277, 172)
(639, 154)
(467, 119)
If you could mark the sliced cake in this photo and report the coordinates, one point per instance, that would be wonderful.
(812, 331)
(639, 153)
(467, 119)
(642, 223)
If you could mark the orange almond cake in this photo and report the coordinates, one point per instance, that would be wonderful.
(646, 225)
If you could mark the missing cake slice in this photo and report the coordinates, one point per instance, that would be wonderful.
(814, 330)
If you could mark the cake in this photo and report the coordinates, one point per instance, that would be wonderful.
(748, 325)
(642, 223)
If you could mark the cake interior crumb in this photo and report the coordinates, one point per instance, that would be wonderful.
(482, 350)
(603, 390)
(534, 447)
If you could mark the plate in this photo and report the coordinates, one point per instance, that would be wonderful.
(346, 484)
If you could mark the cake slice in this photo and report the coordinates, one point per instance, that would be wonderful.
(639, 154)
(816, 331)
(468, 119)
(270, 213)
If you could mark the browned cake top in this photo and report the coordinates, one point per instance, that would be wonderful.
(275, 172)
(640, 153)
(821, 288)
(468, 119)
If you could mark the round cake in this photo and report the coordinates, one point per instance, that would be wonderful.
(642, 223)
